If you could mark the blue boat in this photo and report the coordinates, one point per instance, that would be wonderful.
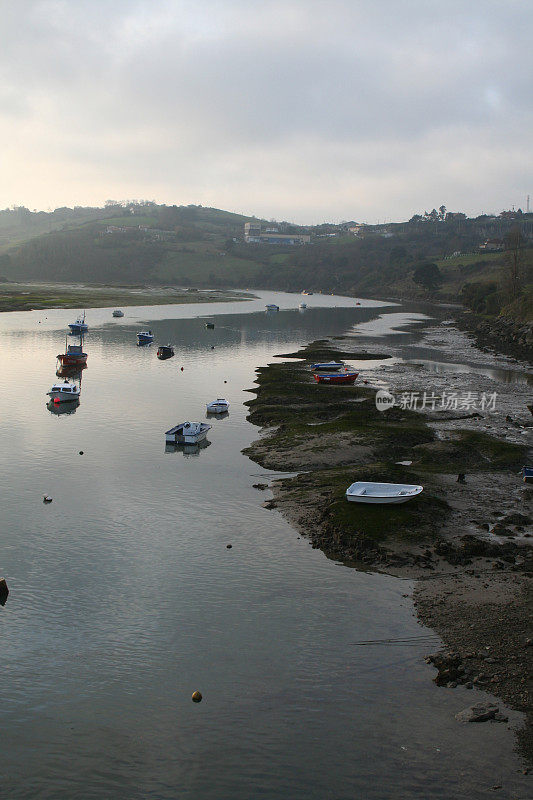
(145, 337)
(328, 365)
(527, 474)
(80, 326)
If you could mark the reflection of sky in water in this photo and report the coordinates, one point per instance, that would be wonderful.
(124, 598)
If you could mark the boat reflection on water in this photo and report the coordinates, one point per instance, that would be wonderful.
(217, 414)
(70, 370)
(187, 449)
(68, 407)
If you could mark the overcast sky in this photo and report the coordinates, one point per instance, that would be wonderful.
(305, 110)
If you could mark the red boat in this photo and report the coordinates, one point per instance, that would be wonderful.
(341, 378)
(73, 356)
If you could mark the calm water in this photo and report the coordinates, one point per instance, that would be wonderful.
(124, 598)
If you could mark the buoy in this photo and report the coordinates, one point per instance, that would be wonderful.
(47, 498)
(229, 546)
(225, 381)
(196, 697)
(182, 369)
(81, 452)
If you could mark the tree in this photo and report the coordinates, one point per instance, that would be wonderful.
(428, 275)
(513, 273)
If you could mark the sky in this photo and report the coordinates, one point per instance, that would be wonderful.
(301, 110)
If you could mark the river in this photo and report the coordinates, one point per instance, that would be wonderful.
(124, 597)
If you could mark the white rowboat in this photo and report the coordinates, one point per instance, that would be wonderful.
(369, 492)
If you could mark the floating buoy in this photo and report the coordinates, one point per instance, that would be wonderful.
(182, 369)
(81, 452)
(229, 546)
(225, 381)
(196, 697)
(47, 498)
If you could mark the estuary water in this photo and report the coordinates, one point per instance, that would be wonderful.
(124, 598)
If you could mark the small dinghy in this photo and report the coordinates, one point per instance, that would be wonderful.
(328, 366)
(272, 307)
(64, 392)
(336, 378)
(218, 406)
(145, 337)
(165, 351)
(187, 433)
(80, 326)
(527, 474)
(210, 326)
(302, 305)
(369, 492)
(118, 313)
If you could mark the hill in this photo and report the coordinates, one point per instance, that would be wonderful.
(439, 255)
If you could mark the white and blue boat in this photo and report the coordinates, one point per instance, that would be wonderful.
(145, 337)
(80, 326)
(329, 366)
(187, 433)
(272, 307)
(527, 474)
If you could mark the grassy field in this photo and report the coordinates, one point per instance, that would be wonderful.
(29, 296)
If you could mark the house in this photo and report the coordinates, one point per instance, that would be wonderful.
(491, 244)
(254, 235)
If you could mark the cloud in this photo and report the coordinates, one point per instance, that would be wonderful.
(296, 109)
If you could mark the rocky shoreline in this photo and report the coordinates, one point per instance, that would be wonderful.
(467, 542)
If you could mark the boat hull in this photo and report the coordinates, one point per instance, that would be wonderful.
(382, 493)
(63, 397)
(75, 328)
(68, 360)
(337, 379)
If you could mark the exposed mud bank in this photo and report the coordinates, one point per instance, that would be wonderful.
(468, 543)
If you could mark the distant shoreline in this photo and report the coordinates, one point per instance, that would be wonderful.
(19, 296)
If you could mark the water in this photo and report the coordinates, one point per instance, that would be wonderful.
(124, 598)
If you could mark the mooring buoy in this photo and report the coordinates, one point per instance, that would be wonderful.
(197, 697)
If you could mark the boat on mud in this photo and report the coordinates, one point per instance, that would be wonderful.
(336, 378)
(391, 493)
(272, 307)
(329, 366)
(118, 313)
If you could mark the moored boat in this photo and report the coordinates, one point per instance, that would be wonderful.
(165, 351)
(218, 406)
(372, 492)
(80, 326)
(64, 392)
(118, 313)
(302, 305)
(527, 474)
(210, 325)
(272, 307)
(337, 378)
(145, 337)
(187, 433)
(73, 355)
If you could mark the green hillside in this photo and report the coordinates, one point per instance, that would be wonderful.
(436, 256)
